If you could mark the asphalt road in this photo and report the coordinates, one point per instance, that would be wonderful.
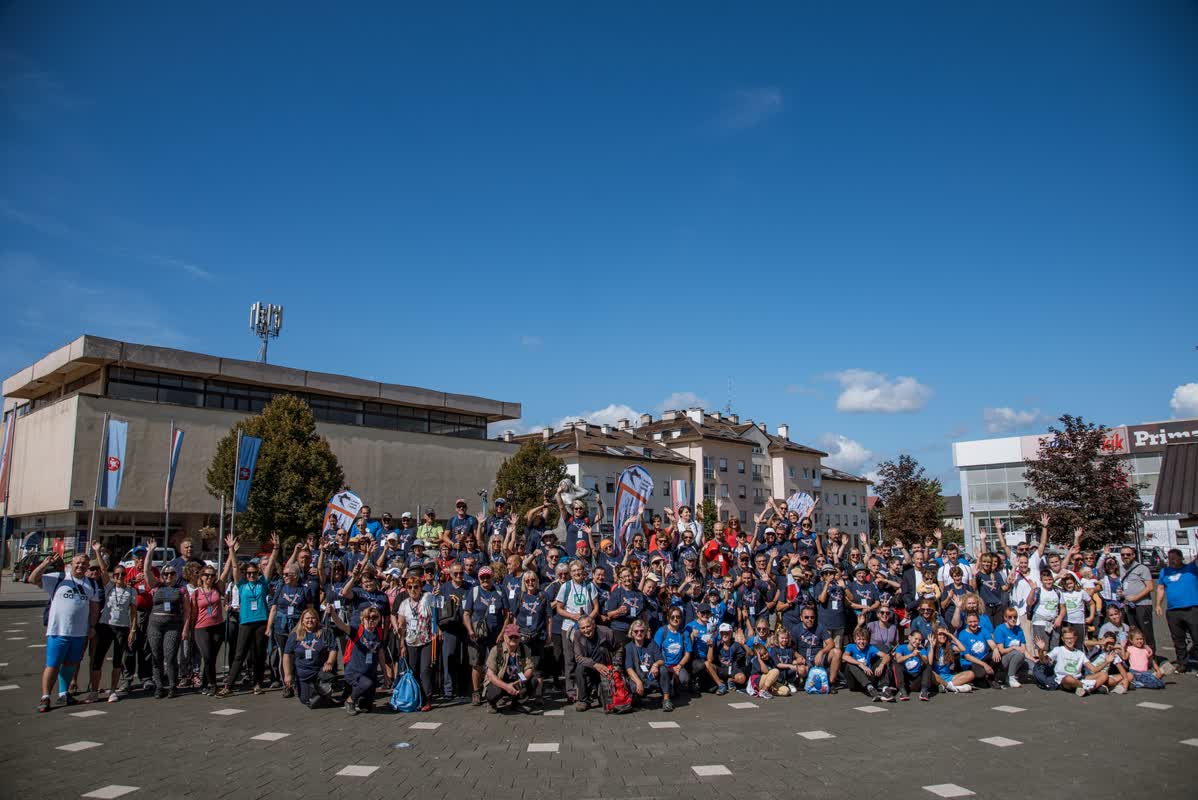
(1055, 745)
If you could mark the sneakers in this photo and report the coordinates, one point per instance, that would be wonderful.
(288, 692)
(904, 695)
(351, 708)
(68, 699)
(923, 695)
(872, 692)
(1080, 691)
(951, 687)
(888, 694)
(1014, 684)
(667, 704)
(1102, 690)
(722, 690)
(44, 706)
(965, 688)
(224, 691)
(427, 707)
(1119, 689)
(793, 690)
(258, 689)
(476, 699)
(114, 697)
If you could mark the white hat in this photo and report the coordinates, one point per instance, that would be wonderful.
(653, 577)
(392, 537)
(406, 515)
(725, 628)
(394, 572)
(769, 530)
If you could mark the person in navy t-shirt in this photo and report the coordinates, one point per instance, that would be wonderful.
(363, 652)
(726, 660)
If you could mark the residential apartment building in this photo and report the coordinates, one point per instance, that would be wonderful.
(992, 476)
(842, 502)
(401, 447)
(595, 455)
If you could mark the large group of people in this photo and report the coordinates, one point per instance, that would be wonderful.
(504, 611)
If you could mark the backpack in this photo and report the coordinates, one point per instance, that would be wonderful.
(406, 696)
(817, 681)
(613, 693)
(1045, 677)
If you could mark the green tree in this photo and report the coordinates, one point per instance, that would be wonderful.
(910, 501)
(708, 515)
(294, 478)
(525, 478)
(1079, 484)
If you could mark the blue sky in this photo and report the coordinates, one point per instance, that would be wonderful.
(888, 226)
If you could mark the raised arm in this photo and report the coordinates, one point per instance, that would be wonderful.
(273, 561)
(1044, 519)
(146, 569)
(100, 560)
(226, 570)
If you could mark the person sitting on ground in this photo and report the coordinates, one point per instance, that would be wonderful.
(726, 661)
(592, 660)
(644, 664)
(910, 668)
(511, 679)
(1070, 666)
(866, 668)
(1145, 672)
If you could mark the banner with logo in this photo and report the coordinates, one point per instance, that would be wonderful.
(342, 511)
(172, 464)
(632, 493)
(801, 503)
(247, 459)
(10, 427)
(113, 462)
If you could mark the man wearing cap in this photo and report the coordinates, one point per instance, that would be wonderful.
(496, 524)
(829, 597)
(579, 525)
(459, 524)
(406, 531)
(511, 679)
(484, 614)
(390, 554)
(416, 555)
(726, 662)
(592, 659)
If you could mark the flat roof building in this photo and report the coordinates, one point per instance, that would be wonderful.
(992, 475)
(401, 447)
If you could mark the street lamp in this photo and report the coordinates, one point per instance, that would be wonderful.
(266, 320)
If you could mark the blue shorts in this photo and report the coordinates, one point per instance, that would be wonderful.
(64, 650)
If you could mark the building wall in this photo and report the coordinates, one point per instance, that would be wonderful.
(784, 485)
(714, 450)
(43, 446)
(843, 505)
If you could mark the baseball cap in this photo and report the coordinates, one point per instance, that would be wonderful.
(485, 572)
(605, 542)
(652, 576)
(704, 608)
(393, 573)
(392, 537)
(501, 501)
(826, 568)
(769, 530)
(725, 628)
(860, 568)
(406, 515)
(418, 543)
(511, 630)
(461, 501)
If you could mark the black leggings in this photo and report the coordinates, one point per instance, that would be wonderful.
(208, 642)
(362, 688)
(420, 661)
(164, 647)
(109, 635)
(251, 643)
(308, 689)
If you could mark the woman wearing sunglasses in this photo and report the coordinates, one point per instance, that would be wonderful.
(252, 593)
(208, 624)
(363, 652)
(414, 616)
(170, 622)
(114, 628)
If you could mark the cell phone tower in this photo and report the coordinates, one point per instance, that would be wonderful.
(266, 320)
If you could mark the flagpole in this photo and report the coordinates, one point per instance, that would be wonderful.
(220, 542)
(170, 456)
(91, 524)
(236, 466)
(6, 467)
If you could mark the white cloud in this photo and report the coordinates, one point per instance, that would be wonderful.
(609, 415)
(863, 391)
(748, 108)
(1185, 400)
(1001, 420)
(679, 401)
(873, 477)
(844, 453)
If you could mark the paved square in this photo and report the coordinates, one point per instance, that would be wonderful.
(816, 735)
(111, 791)
(1155, 706)
(424, 726)
(356, 771)
(711, 770)
(1000, 741)
(269, 736)
(948, 790)
(544, 747)
(663, 725)
(1009, 709)
(75, 747)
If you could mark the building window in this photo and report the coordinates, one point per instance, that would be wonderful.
(611, 487)
(1183, 538)
(806, 473)
(740, 467)
(724, 492)
(723, 465)
(790, 471)
(835, 499)
(854, 499)
(675, 434)
(741, 492)
(708, 489)
(723, 516)
(657, 436)
(756, 450)
(744, 516)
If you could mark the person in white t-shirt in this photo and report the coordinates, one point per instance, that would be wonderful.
(1048, 611)
(1070, 667)
(575, 599)
(71, 619)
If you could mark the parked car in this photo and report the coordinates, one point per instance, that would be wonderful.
(138, 554)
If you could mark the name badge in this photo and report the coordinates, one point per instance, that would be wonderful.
(166, 606)
(834, 605)
(253, 605)
(370, 658)
(307, 655)
(491, 609)
(511, 594)
(528, 623)
(337, 604)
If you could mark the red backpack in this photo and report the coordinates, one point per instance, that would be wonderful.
(614, 693)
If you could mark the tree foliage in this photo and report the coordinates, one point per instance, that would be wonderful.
(525, 477)
(911, 504)
(708, 515)
(1079, 484)
(294, 478)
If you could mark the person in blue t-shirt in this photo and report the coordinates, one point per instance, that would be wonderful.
(676, 652)
(363, 651)
(484, 613)
(460, 524)
(644, 664)
(625, 604)
(289, 600)
(307, 659)
(910, 668)
(816, 647)
(978, 658)
(866, 668)
(862, 596)
(702, 631)
(1177, 596)
(829, 596)
(726, 662)
(1011, 648)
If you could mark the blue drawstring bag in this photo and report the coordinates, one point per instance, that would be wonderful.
(817, 681)
(406, 695)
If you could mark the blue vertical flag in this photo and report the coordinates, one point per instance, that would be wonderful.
(247, 458)
(173, 463)
(114, 463)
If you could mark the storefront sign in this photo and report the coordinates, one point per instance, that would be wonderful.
(1154, 438)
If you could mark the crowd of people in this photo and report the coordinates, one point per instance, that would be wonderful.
(504, 614)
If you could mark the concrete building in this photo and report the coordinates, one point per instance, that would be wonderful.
(843, 502)
(401, 447)
(595, 455)
(992, 475)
